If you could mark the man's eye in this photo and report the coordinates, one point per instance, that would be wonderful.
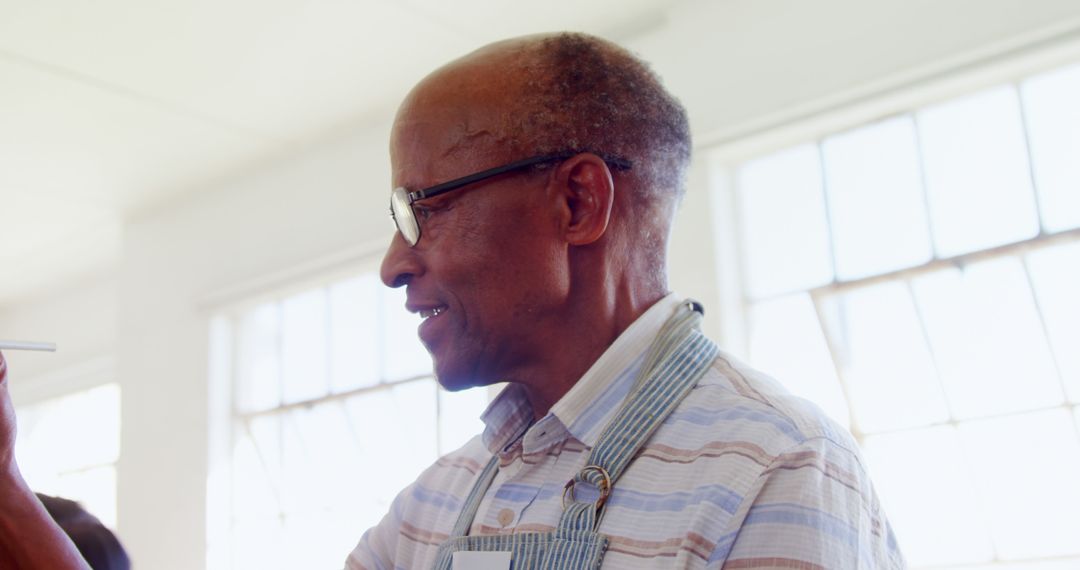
(422, 212)
(425, 212)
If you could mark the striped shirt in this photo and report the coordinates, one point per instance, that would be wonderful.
(740, 475)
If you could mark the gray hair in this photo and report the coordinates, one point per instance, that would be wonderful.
(583, 93)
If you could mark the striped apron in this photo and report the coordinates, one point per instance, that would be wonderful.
(677, 359)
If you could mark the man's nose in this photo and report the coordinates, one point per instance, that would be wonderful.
(400, 264)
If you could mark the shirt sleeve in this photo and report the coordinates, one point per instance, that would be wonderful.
(376, 548)
(812, 507)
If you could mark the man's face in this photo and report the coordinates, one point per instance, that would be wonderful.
(489, 267)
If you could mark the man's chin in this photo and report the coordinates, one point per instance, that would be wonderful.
(456, 380)
(452, 384)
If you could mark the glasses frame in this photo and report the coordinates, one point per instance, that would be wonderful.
(405, 199)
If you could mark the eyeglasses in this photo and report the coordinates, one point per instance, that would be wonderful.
(402, 200)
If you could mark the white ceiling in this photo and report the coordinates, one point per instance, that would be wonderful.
(113, 106)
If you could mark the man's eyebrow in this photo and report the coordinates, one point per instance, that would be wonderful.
(411, 182)
(414, 184)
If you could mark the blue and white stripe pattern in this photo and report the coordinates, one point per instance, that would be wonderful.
(740, 475)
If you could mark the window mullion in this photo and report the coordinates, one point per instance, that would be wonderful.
(1055, 360)
(836, 354)
(1030, 158)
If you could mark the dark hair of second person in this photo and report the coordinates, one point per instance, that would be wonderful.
(97, 544)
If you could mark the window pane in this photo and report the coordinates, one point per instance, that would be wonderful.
(1076, 418)
(986, 336)
(219, 554)
(71, 432)
(884, 359)
(254, 494)
(783, 221)
(326, 462)
(67, 447)
(786, 342)
(1055, 273)
(926, 490)
(259, 543)
(977, 173)
(304, 474)
(387, 422)
(1026, 469)
(258, 363)
(318, 540)
(333, 535)
(299, 480)
(1053, 119)
(354, 342)
(405, 356)
(304, 371)
(459, 417)
(265, 432)
(876, 201)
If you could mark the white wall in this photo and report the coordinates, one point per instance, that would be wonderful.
(737, 64)
(80, 318)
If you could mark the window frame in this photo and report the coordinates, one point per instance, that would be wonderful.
(815, 122)
(226, 420)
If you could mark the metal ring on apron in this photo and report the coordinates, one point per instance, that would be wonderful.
(604, 486)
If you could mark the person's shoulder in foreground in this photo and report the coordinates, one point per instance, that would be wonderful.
(741, 475)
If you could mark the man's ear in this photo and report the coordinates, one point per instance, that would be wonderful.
(586, 195)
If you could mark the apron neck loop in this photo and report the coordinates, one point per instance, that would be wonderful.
(677, 359)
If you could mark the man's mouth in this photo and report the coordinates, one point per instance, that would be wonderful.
(432, 312)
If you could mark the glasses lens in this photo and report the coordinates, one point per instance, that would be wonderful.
(402, 212)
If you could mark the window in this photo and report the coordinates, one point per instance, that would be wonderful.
(332, 410)
(919, 278)
(68, 447)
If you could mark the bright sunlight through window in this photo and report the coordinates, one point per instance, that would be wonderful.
(334, 410)
(68, 447)
(919, 278)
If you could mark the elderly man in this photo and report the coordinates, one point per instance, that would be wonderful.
(537, 180)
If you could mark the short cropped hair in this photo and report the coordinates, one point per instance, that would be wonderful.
(584, 93)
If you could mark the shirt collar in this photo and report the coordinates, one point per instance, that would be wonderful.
(595, 398)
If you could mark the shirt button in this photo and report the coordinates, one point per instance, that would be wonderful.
(506, 516)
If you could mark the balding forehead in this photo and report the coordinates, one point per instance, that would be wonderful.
(475, 100)
(488, 76)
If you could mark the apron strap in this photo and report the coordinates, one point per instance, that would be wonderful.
(476, 495)
(678, 358)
